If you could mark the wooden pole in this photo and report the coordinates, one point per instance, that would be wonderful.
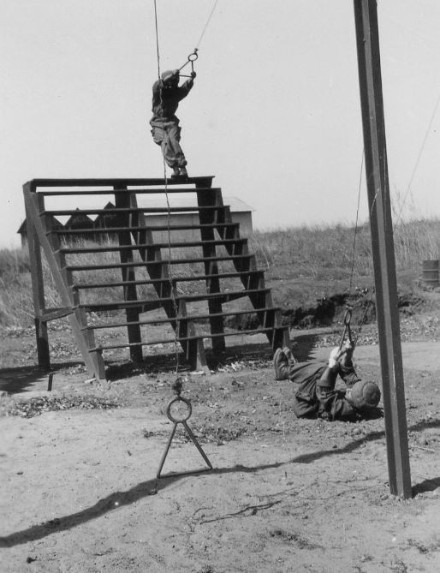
(41, 330)
(367, 35)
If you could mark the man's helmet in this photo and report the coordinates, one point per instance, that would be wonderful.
(365, 395)
(171, 77)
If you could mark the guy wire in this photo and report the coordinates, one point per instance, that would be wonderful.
(170, 278)
(419, 157)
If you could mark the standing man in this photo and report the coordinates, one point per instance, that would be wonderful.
(165, 125)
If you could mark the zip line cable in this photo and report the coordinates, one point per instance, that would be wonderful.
(349, 310)
(356, 225)
(207, 24)
(422, 148)
(194, 54)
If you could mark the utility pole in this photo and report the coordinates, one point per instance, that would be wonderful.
(370, 81)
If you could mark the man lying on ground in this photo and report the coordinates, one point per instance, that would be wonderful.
(317, 397)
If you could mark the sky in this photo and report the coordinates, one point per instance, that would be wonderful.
(274, 114)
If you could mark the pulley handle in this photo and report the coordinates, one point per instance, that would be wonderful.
(193, 56)
(347, 328)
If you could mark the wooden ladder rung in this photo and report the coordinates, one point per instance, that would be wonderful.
(232, 295)
(161, 262)
(128, 210)
(155, 228)
(169, 280)
(178, 245)
(154, 191)
(184, 339)
(191, 318)
(228, 296)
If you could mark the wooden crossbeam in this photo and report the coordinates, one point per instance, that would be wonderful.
(175, 279)
(122, 210)
(153, 229)
(160, 263)
(139, 303)
(194, 317)
(208, 335)
(118, 182)
(101, 192)
(172, 244)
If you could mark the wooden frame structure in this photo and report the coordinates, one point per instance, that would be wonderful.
(75, 267)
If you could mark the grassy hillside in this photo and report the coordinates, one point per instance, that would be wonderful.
(302, 265)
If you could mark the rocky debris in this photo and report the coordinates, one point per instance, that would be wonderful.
(36, 406)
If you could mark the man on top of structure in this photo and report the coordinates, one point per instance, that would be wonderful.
(165, 125)
(316, 396)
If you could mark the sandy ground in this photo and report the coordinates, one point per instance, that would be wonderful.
(79, 492)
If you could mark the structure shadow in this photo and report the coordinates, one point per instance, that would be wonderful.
(21, 379)
(166, 362)
(309, 458)
(111, 503)
(144, 489)
(303, 346)
(426, 485)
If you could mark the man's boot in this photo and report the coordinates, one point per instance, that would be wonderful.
(281, 365)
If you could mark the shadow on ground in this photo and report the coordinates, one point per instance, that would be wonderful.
(117, 499)
(27, 378)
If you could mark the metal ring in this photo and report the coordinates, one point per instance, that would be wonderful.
(183, 418)
(193, 56)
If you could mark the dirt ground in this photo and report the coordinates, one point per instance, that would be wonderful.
(78, 467)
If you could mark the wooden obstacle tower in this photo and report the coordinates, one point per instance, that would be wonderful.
(151, 275)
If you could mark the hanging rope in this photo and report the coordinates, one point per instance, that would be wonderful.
(349, 308)
(190, 60)
(170, 277)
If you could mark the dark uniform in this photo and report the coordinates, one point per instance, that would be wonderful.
(316, 396)
(165, 124)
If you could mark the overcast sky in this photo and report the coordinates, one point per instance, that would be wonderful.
(274, 114)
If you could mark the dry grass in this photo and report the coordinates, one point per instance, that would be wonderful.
(335, 258)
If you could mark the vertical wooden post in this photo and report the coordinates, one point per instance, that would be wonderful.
(122, 200)
(210, 198)
(37, 289)
(367, 35)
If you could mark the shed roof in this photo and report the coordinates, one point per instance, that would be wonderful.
(175, 200)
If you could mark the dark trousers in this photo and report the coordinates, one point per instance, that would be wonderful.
(167, 135)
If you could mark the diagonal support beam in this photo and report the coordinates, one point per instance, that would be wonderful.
(92, 360)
